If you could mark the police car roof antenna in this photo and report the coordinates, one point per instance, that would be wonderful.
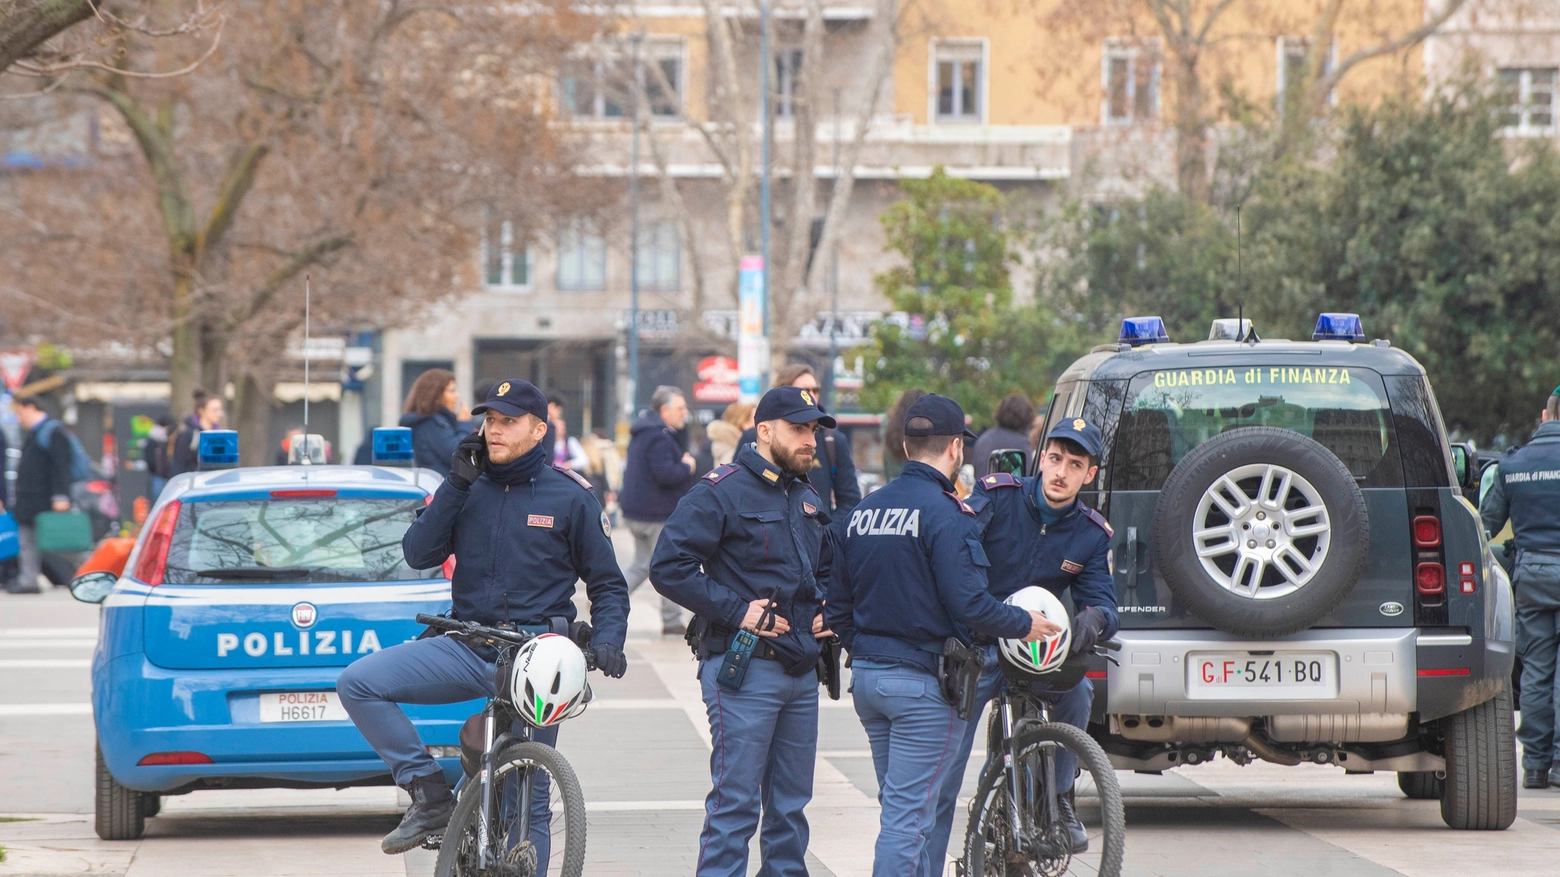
(304, 457)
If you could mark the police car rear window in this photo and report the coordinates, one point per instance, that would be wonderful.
(292, 541)
(1167, 413)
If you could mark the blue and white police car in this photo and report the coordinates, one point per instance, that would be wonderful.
(246, 594)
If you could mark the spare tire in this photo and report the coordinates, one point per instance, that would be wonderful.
(1260, 532)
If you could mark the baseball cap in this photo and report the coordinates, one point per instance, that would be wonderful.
(514, 398)
(1076, 429)
(793, 405)
(945, 414)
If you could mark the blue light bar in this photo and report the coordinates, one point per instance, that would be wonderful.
(1143, 330)
(218, 449)
(1338, 327)
(393, 446)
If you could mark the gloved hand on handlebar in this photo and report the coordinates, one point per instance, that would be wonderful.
(610, 659)
(1087, 629)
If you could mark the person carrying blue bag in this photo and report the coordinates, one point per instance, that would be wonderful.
(43, 478)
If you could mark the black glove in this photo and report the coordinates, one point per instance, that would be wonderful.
(610, 659)
(468, 462)
(1087, 630)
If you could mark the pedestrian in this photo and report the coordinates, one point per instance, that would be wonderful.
(184, 447)
(154, 452)
(657, 474)
(567, 452)
(1036, 531)
(726, 433)
(911, 576)
(521, 552)
(1527, 492)
(893, 435)
(431, 412)
(1014, 417)
(42, 485)
(835, 471)
(746, 550)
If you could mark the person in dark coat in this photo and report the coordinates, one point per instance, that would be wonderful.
(184, 447)
(1015, 416)
(834, 470)
(154, 452)
(657, 474)
(42, 484)
(435, 424)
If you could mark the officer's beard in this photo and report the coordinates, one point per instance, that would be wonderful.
(792, 462)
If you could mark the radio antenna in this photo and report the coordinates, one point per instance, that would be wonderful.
(305, 364)
(1240, 290)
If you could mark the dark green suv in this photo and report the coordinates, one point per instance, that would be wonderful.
(1300, 578)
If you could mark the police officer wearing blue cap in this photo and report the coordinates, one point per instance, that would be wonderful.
(1526, 490)
(1037, 532)
(745, 552)
(523, 532)
(912, 574)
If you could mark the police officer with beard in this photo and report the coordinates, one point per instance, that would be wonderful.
(1527, 491)
(523, 533)
(912, 574)
(745, 551)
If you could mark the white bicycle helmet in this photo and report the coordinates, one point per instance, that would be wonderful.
(547, 683)
(1043, 655)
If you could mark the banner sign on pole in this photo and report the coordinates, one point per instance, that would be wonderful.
(752, 346)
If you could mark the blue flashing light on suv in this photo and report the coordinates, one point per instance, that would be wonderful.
(1137, 331)
(1338, 327)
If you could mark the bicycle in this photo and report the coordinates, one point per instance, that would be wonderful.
(501, 825)
(1015, 826)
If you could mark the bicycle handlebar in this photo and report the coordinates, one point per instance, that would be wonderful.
(471, 628)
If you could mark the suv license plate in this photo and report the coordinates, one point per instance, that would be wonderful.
(1282, 676)
(302, 706)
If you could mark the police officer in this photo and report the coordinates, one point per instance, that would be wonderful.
(745, 551)
(523, 532)
(1527, 490)
(1037, 532)
(912, 574)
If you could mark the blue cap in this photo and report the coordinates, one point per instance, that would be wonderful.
(393, 446)
(514, 398)
(1143, 330)
(946, 416)
(793, 405)
(1076, 429)
(217, 449)
(1338, 327)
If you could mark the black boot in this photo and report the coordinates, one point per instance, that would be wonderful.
(1535, 779)
(1077, 838)
(432, 804)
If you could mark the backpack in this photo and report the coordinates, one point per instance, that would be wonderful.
(81, 466)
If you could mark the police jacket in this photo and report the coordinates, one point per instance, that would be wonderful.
(519, 550)
(1070, 554)
(833, 474)
(1527, 490)
(748, 531)
(912, 573)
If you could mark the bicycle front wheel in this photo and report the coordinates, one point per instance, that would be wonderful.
(540, 837)
(992, 846)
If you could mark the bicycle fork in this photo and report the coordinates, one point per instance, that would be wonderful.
(484, 846)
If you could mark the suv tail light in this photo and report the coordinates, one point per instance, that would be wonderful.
(1427, 531)
(1429, 578)
(175, 758)
(153, 562)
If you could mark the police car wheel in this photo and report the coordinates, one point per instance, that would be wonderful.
(119, 813)
(1260, 532)
(1481, 767)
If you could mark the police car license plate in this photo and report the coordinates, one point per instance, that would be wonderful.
(1278, 676)
(302, 706)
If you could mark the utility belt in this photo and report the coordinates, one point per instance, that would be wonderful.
(956, 666)
(708, 639)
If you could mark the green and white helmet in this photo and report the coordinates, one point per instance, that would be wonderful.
(1043, 655)
(547, 683)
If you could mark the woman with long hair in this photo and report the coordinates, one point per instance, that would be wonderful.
(430, 411)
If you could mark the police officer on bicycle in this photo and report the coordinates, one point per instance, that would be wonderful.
(1037, 532)
(745, 551)
(911, 575)
(523, 532)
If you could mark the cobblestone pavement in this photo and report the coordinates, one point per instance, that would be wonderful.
(642, 754)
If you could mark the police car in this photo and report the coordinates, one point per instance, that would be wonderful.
(246, 594)
(1300, 577)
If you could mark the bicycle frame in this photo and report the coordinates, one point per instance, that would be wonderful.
(1008, 724)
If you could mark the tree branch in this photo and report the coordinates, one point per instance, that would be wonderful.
(267, 290)
(1326, 84)
(27, 24)
(236, 182)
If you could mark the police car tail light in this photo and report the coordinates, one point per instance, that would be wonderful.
(153, 562)
(1429, 578)
(157, 758)
(1136, 331)
(1338, 327)
(1427, 531)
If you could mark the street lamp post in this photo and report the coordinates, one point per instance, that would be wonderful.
(834, 264)
(765, 62)
(633, 243)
